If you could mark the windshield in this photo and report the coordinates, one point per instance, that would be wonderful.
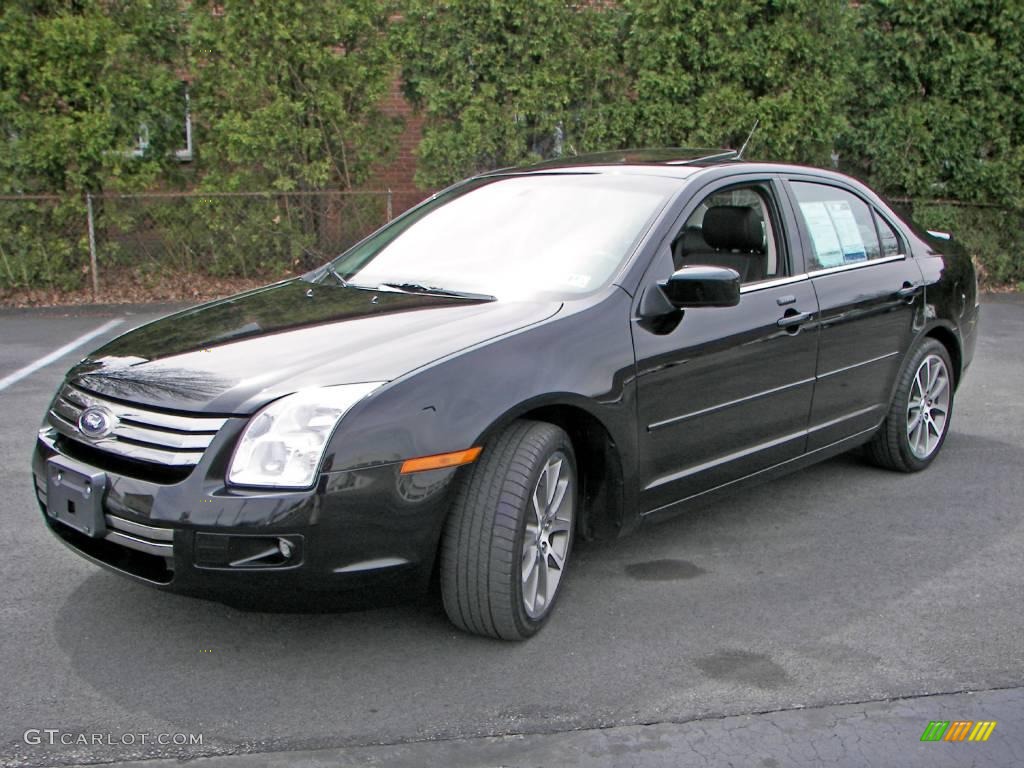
(514, 237)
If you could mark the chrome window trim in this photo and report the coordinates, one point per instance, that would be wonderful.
(775, 283)
(765, 284)
(857, 265)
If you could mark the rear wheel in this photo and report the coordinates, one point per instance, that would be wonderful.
(918, 419)
(509, 535)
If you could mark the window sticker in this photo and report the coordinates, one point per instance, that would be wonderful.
(827, 248)
(847, 230)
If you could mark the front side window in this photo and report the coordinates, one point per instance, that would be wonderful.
(515, 237)
(840, 225)
(733, 228)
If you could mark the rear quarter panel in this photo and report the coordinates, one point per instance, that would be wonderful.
(951, 292)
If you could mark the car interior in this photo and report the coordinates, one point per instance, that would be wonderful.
(730, 229)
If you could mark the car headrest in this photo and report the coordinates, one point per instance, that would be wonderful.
(734, 228)
(690, 240)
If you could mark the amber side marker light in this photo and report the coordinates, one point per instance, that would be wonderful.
(440, 460)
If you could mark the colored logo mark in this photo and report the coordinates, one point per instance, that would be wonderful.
(958, 730)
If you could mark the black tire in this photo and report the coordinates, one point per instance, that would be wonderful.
(891, 446)
(482, 548)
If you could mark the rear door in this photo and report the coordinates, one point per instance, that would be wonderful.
(869, 291)
(726, 392)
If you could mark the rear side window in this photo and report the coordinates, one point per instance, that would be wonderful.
(890, 240)
(841, 227)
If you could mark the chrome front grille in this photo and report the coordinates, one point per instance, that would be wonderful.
(139, 433)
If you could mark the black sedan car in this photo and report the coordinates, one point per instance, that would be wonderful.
(530, 356)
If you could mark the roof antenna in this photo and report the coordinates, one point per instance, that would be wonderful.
(739, 155)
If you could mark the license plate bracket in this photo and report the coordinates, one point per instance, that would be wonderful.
(74, 495)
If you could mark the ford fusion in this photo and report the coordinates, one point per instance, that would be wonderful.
(529, 357)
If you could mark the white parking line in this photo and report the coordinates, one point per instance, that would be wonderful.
(21, 373)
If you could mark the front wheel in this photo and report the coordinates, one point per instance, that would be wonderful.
(509, 535)
(918, 420)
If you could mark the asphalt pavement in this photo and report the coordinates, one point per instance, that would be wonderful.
(824, 618)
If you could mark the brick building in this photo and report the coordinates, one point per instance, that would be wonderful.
(399, 174)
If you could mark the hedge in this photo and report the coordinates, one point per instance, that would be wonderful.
(922, 100)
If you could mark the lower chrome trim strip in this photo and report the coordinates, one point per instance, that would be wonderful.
(729, 404)
(149, 547)
(846, 440)
(846, 417)
(698, 468)
(886, 356)
(139, 529)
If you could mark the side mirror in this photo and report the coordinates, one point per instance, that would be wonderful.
(700, 286)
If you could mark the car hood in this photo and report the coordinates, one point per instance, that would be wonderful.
(234, 355)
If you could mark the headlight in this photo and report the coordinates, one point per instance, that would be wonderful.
(283, 444)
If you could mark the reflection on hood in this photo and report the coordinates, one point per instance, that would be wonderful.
(277, 308)
(124, 378)
(234, 356)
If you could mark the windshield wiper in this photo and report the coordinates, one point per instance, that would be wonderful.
(435, 291)
(336, 275)
(330, 270)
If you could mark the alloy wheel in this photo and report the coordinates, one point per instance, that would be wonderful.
(548, 534)
(928, 406)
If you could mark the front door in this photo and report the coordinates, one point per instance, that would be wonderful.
(726, 392)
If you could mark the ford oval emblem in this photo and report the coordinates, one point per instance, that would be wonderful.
(96, 422)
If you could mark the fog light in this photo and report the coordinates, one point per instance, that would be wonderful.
(223, 550)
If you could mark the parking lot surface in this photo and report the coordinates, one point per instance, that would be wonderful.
(840, 585)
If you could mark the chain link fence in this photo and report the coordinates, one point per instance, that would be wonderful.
(66, 244)
(43, 242)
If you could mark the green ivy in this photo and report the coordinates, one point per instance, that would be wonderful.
(287, 95)
(77, 81)
(704, 71)
(938, 110)
(502, 82)
(924, 100)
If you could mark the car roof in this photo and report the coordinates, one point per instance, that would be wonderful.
(677, 162)
(665, 156)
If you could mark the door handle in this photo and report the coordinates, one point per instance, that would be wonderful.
(908, 290)
(792, 318)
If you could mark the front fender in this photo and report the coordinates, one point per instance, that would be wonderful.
(581, 357)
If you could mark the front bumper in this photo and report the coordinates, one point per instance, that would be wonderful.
(363, 529)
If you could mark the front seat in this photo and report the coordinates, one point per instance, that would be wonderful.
(733, 237)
